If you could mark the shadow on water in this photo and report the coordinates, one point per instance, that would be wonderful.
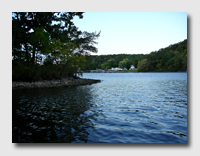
(150, 109)
(52, 115)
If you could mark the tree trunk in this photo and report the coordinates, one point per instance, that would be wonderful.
(33, 59)
(27, 57)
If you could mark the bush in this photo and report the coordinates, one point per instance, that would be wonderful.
(23, 71)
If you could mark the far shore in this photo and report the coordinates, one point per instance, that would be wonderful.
(65, 82)
(142, 72)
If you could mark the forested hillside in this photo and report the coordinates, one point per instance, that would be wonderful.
(172, 58)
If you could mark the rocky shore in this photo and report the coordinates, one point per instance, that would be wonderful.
(53, 83)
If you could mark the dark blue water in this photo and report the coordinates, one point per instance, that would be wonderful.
(123, 108)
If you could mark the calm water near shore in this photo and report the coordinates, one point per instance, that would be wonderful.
(123, 108)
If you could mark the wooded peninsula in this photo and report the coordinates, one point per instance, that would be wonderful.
(48, 46)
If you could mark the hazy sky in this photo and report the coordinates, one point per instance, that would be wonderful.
(134, 32)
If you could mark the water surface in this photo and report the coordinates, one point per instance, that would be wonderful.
(123, 108)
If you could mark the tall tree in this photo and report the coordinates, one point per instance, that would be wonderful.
(30, 28)
(143, 65)
(51, 34)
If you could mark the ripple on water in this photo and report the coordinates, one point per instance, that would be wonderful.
(123, 108)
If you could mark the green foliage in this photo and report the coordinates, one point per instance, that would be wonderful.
(172, 58)
(101, 61)
(22, 71)
(122, 64)
(103, 66)
(135, 63)
(106, 65)
(126, 63)
(111, 63)
(52, 36)
(143, 66)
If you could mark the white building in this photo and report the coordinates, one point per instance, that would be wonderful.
(116, 69)
(132, 67)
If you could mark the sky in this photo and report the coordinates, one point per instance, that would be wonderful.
(134, 32)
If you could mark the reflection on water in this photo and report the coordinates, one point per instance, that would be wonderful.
(123, 108)
(52, 115)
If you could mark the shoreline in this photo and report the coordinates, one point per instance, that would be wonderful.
(65, 82)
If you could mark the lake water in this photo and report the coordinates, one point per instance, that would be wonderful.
(123, 108)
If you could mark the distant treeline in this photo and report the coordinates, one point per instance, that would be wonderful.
(170, 59)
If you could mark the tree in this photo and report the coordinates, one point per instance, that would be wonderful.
(111, 63)
(58, 25)
(184, 60)
(143, 65)
(85, 43)
(24, 23)
(125, 63)
(161, 60)
(176, 64)
(104, 66)
(135, 62)
(128, 63)
(39, 43)
(52, 35)
(122, 64)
